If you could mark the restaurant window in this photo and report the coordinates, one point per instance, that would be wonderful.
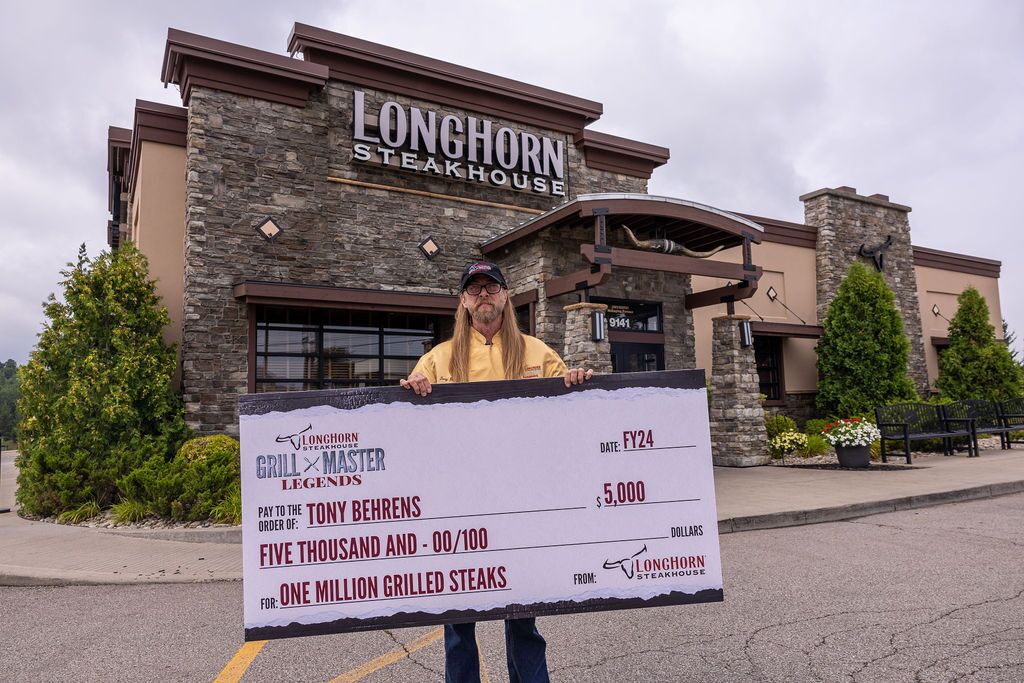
(768, 358)
(309, 348)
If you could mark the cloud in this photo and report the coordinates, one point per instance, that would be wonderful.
(758, 101)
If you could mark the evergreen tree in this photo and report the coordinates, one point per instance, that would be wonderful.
(862, 355)
(976, 364)
(8, 400)
(1010, 339)
(96, 399)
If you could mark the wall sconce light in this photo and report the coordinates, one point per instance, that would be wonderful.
(938, 314)
(746, 334)
(269, 229)
(430, 248)
(597, 326)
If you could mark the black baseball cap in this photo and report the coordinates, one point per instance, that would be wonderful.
(485, 268)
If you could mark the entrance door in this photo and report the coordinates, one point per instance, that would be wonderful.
(630, 357)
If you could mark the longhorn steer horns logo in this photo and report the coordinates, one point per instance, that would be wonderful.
(294, 438)
(624, 563)
(663, 246)
(876, 254)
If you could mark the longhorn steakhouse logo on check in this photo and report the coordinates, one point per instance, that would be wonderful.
(319, 460)
(637, 568)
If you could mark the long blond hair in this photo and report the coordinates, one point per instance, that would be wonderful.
(513, 345)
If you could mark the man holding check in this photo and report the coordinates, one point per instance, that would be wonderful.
(488, 345)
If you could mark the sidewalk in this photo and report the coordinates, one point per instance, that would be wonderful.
(39, 553)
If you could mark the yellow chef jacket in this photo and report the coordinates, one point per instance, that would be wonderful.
(485, 361)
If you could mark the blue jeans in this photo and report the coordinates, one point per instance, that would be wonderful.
(524, 649)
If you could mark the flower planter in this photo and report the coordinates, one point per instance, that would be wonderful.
(853, 456)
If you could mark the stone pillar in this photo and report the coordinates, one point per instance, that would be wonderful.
(581, 351)
(738, 436)
(846, 220)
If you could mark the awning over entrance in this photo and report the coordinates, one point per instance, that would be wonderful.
(672, 235)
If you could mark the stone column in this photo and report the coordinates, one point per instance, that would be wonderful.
(846, 220)
(738, 436)
(581, 351)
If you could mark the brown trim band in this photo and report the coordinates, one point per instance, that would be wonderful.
(960, 263)
(766, 329)
(192, 60)
(322, 296)
(940, 342)
(530, 296)
(434, 195)
(391, 70)
(646, 260)
(620, 155)
(154, 122)
(625, 337)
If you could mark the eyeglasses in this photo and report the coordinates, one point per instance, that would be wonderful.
(491, 287)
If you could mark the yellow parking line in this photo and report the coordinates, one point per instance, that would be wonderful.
(484, 676)
(235, 669)
(390, 657)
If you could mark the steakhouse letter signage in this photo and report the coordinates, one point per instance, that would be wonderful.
(375, 508)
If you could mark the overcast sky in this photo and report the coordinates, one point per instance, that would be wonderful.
(758, 101)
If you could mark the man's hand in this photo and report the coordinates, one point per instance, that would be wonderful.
(576, 376)
(419, 383)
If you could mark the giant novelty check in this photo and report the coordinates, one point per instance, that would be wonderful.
(376, 508)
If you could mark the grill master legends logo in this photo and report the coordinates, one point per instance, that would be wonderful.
(330, 459)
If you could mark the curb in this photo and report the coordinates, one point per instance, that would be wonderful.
(223, 535)
(839, 513)
(22, 576)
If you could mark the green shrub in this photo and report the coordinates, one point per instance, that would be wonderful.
(976, 365)
(203, 447)
(815, 426)
(786, 443)
(129, 511)
(229, 510)
(79, 514)
(186, 489)
(778, 424)
(862, 355)
(816, 445)
(95, 397)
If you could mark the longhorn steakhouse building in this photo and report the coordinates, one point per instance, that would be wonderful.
(305, 218)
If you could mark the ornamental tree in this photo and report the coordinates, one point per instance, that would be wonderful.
(96, 399)
(976, 364)
(862, 355)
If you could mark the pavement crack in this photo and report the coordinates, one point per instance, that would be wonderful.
(409, 655)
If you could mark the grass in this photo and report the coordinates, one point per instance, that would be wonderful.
(229, 510)
(129, 511)
(79, 515)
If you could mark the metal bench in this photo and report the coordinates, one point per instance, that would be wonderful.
(908, 422)
(986, 415)
(1011, 412)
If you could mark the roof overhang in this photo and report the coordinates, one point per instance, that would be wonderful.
(154, 122)
(192, 60)
(389, 69)
(697, 226)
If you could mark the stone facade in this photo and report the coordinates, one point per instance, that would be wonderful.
(738, 436)
(845, 221)
(800, 407)
(581, 351)
(528, 263)
(247, 159)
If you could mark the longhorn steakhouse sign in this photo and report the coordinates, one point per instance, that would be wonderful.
(374, 508)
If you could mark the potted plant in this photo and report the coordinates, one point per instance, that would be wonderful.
(852, 439)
